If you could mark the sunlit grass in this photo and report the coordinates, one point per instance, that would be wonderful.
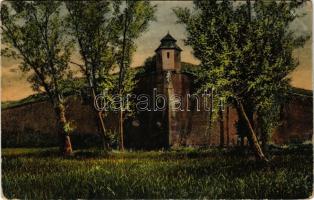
(38, 174)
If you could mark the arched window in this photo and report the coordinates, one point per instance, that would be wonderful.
(168, 55)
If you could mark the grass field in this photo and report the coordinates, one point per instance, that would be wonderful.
(41, 174)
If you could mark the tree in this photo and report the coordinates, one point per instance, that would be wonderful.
(134, 20)
(105, 32)
(34, 33)
(95, 27)
(245, 57)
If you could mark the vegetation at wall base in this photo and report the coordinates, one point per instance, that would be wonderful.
(42, 174)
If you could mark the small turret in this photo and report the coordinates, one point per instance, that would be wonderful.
(168, 55)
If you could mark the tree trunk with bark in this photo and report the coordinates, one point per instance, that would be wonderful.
(121, 120)
(101, 124)
(256, 147)
(65, 141)
(227, 123)
(105, 142)
(221, 125)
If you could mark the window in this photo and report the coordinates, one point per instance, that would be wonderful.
(168, 55)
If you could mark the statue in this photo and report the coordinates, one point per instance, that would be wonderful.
(168, 77)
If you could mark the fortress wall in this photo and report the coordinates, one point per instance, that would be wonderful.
(297, 121)
(37, 121)
(200, 134)
(38, 117)
(148, 130)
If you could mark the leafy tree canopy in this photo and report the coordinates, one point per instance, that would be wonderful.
(245, 51)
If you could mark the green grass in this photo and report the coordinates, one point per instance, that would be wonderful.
(41, 174)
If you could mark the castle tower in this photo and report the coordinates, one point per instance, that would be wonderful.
(168, 55)
(168, 66)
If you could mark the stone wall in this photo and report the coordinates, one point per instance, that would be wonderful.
(297, 121)
(148, 129)
(37, 121)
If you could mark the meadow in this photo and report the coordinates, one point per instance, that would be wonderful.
(42, 174)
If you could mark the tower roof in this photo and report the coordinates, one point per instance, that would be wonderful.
(168, 37)
(168, 42)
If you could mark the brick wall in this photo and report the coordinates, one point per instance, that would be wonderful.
(149, 129)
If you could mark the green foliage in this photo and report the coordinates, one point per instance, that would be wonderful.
(94, 27)
(190, 69)
(105, 32)
(150, 65)
(40, 173)
(245, 51)
(187, 68)
(129, 84)
(134, 21)
(35, 33)
(69, 127)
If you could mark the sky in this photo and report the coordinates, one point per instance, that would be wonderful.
(14, 85)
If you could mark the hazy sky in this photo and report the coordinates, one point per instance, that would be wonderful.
(15, 86)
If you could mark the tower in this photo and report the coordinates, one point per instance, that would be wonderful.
(168, 67)
(168, 55)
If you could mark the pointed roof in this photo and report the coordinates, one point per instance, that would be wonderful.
(168, 37)
(168, 42)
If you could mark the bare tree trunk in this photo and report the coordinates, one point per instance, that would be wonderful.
(227, 123)
(121, 119)
(65, 141)
(103, 131)
(221, 124)
(121, 76)
(101, 123)
(256, 147)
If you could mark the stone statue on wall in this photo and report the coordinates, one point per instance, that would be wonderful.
(168, 77)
